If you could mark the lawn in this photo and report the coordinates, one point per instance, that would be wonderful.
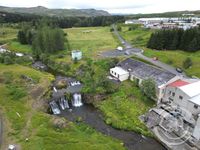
(91, 40)
(23, 117)
(7, 34)
(176, 58)
(17, 47)
(137, 37)
(122, 109)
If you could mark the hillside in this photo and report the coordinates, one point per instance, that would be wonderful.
(55, 12)
(166, 14)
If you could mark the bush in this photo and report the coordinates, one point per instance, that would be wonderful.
(8, 60)
(187, 63)
(148, 88)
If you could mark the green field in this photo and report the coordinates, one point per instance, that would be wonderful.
(17, 47)
(20, 105)
(139, 37)
(91, 40)
(7, 34)
(122, 109)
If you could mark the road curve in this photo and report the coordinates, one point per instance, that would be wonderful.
(139, 53)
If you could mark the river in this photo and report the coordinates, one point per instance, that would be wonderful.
(93, 117)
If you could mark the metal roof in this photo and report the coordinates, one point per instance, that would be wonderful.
(192, 89)
(146, 71)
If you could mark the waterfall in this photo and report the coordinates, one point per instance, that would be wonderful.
(63, 103)
(54, 107)
(54, 88)
(76, 101)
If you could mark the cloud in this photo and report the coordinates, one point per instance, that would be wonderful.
(113, 6)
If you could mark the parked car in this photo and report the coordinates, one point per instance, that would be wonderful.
(179, 70)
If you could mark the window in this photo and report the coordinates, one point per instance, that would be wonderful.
(173, 94)
(169, 93)
(180, 97)
(196, 106)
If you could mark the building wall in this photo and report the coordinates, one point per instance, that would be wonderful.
(179, 98)
(76, 55)
(120, 77)
(196, 132)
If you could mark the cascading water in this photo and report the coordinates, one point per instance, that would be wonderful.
(63, 103)
(77, 100)
(54, 107)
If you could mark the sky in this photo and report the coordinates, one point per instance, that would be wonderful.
(112, 6)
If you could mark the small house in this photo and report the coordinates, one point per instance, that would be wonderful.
(76, 55)
(119, 73)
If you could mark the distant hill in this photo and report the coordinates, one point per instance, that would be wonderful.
(167, 14)
(40, 10)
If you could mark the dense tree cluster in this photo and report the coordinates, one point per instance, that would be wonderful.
(48, 40)
(63, 22)
(44, 37)
(188, 40)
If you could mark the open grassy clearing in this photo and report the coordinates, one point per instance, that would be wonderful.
(7, 34)
(24, 120)
(176, 58)
(137, 37)
(91, 40)
(17, 47)
(122, 109)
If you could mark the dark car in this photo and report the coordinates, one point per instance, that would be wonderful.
(179, 70)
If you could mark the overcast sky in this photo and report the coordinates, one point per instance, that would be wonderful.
(112, 6)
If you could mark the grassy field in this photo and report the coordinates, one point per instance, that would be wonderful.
(91, 40)
(139, 37)
(20, 105)
(17, 47)
(7, 34)
(122, 109)
(176, 58)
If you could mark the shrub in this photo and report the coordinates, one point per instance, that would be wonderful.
(187, 63)
(8, 60)
(148, 88)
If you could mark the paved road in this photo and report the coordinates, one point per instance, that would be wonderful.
(129, 50)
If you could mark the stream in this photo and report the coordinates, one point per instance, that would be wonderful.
(93, 117)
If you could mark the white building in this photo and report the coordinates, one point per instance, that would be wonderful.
(119, 73)
(76, 54)
(139, 71)
(185, 95)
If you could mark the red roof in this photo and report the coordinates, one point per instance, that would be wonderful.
(178, 83)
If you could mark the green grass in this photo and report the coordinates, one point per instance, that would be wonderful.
(123, 108)
(91, 40)
(7, 34)
(138, 37)
(23, 119)
(17, 47)
(176, 58)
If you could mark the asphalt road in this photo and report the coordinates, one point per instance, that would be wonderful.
(129, 50)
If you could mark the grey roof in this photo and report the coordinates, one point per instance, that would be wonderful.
(145, 71)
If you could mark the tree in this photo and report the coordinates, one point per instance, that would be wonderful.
(48, 40)
(148, 88)
(8, 60)
(187, 63)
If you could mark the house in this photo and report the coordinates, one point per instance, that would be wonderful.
(139, 71)
(119, 73)
(185, 95)
(76, 55)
